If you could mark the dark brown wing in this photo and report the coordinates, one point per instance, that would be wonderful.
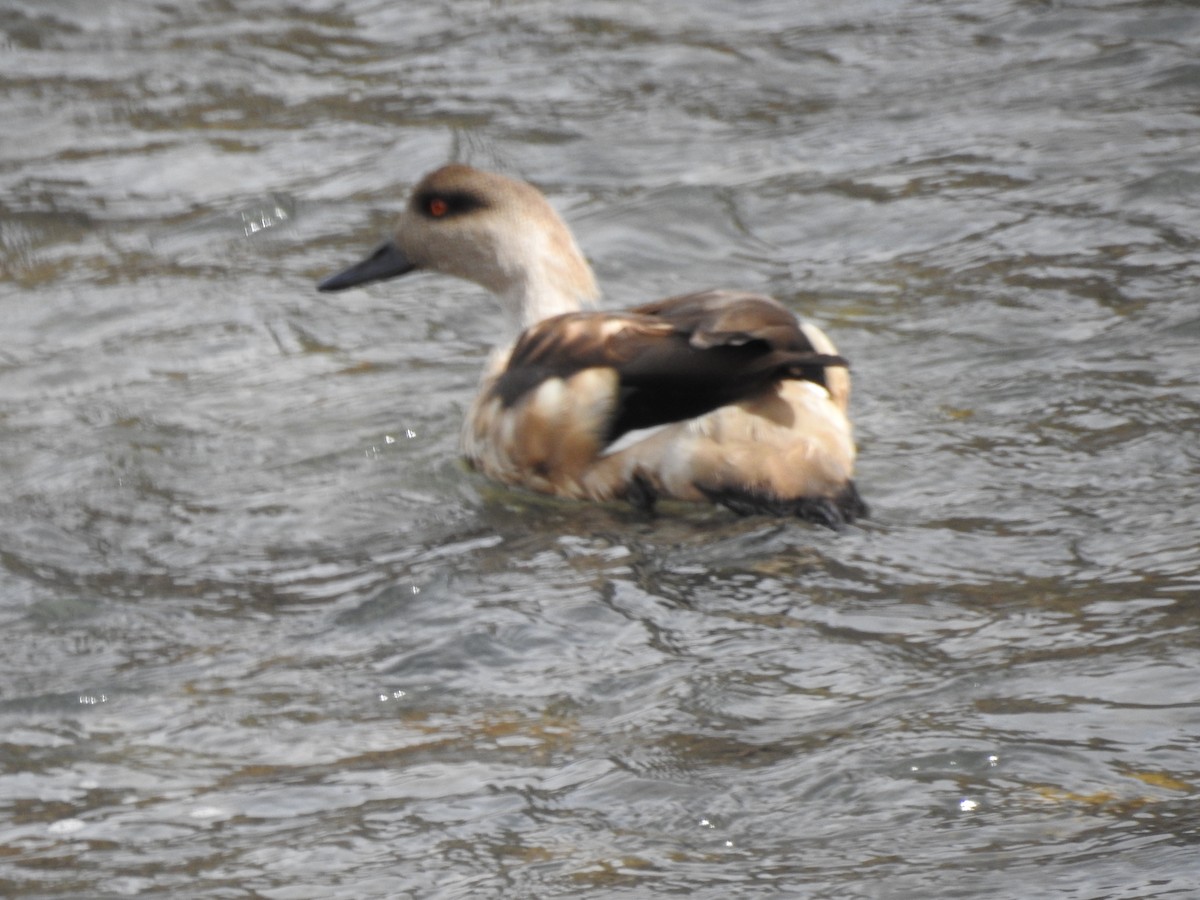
(737, 318)
(675, 359)
(713, 318)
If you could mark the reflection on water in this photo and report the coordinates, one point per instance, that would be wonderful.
(266, 636)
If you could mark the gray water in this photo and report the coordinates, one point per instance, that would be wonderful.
(263, 636)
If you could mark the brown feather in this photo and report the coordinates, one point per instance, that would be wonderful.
(675, 359)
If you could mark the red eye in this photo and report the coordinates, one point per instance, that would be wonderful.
(438, 207)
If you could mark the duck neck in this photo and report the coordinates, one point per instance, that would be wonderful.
(562, 285)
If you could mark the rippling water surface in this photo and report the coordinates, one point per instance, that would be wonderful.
(263, 635)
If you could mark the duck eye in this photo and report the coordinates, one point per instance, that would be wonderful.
(442, 204)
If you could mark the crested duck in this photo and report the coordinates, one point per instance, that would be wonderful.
(717, 396)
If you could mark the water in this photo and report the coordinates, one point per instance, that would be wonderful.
(264, 636)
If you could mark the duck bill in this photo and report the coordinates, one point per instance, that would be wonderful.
(388, 261)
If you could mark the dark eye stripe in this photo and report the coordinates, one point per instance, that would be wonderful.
(444, 204)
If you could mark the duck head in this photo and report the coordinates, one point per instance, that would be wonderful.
(487, 228)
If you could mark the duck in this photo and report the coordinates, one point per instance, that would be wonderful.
(722, 397)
